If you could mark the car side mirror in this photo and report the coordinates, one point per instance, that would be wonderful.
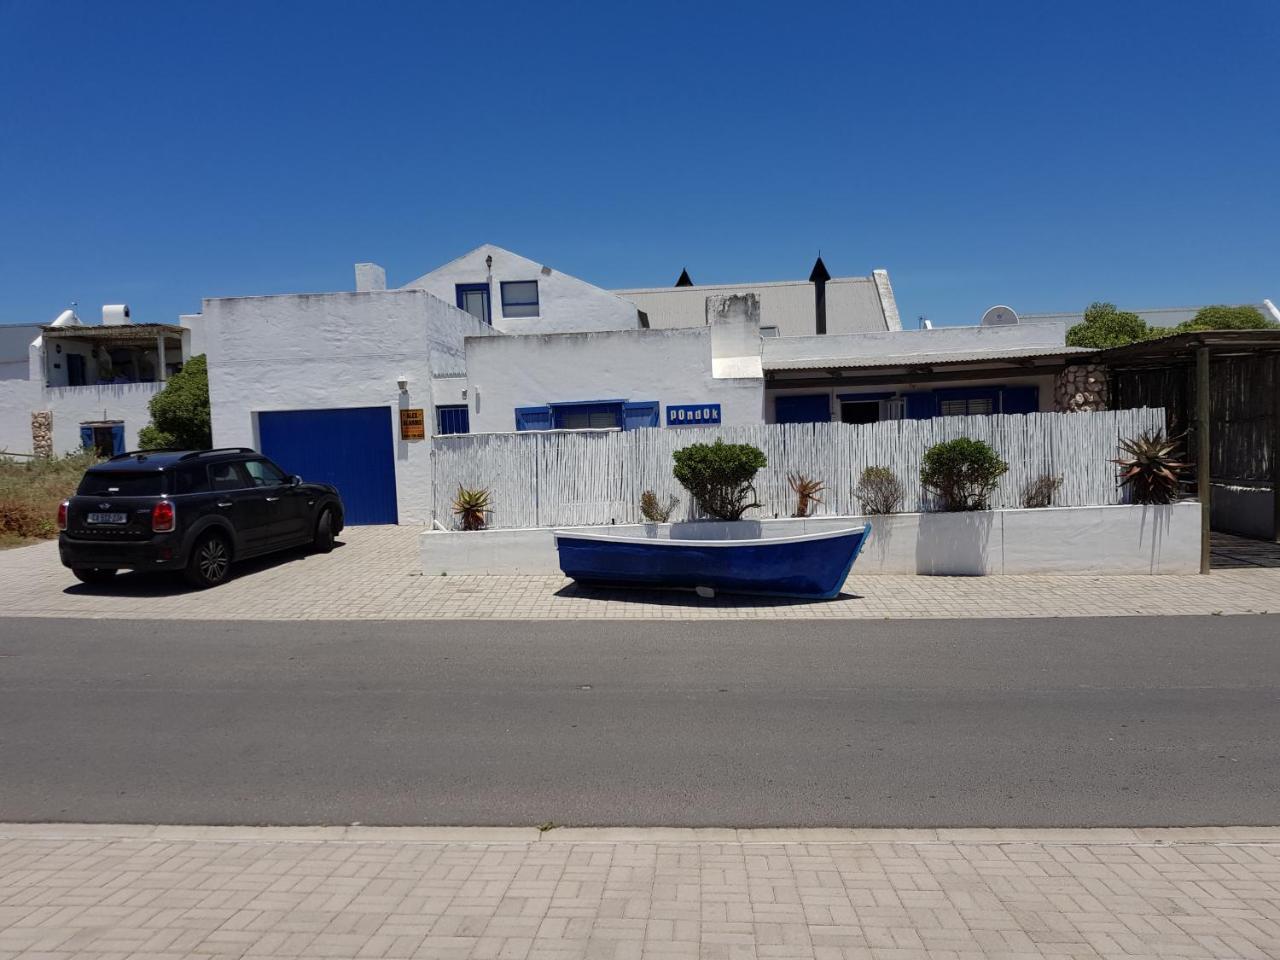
(294, 480)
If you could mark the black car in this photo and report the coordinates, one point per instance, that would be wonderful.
(194, 511)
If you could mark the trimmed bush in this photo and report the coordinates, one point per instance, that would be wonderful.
(719, 476)
(961, 473)
(879, 491)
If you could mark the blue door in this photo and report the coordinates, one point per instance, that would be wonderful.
(352, 448)
(802, 408)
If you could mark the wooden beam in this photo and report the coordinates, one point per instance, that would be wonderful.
(1204, 482)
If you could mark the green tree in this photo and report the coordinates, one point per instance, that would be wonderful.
(1105, 326)
(961, 473)
(1222, 317)
(180, 412)
(719, 476)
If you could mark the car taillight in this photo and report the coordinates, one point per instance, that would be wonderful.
(62, 515)
(162, 517)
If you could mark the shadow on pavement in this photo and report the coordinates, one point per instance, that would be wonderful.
(687, 598)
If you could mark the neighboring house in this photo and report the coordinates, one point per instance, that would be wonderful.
(85, 385)
(789, 308)
(1153, 316)
(515, 295)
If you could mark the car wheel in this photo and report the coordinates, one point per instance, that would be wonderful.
(210, 561)
(94, 575)
(323, 540)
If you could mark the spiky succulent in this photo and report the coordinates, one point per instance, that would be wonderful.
(807, 492)
(470, 506)
(1151, 468)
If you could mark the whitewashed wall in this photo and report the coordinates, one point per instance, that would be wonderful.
(589, 477)
(670, 366)
(311, 352)
(71, 406)
(566, 304)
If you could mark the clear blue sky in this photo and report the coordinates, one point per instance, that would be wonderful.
(1043, 155)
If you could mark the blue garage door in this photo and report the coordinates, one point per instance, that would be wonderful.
(352, 448)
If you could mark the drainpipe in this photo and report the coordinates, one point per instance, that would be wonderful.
(819, 278)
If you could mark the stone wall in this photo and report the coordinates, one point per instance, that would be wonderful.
(1081, 388)
(42, 433)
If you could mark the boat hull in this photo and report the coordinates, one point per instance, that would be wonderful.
(811, 566)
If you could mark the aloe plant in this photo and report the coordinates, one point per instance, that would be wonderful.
(1151, 470)
(470, 507)
(807, 492)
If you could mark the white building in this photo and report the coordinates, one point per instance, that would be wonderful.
(68, 384)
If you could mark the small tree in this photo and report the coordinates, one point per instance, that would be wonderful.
(961, 473)
(1222, 317)
(719, 476)
(879, 490)
(1105, 326)
(180, 412)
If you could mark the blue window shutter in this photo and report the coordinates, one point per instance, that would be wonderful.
(86, 437)
(639, 414)
(117, 439)
(920, 405)
(802, 408)
(533, 418)
(1020, 400)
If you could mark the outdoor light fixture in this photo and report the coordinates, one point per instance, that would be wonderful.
(488, 262)
(403, 383)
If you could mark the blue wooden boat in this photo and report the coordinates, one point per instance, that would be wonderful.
(809, 565)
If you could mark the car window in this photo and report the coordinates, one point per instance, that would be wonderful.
(194, 479)
(264, 474)
(227, 476)
(106, 483)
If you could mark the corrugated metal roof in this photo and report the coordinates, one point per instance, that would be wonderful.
(920, 359)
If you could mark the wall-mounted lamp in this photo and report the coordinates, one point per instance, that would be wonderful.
(488, 262)
(403, 383)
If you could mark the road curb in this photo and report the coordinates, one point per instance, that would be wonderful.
(1101, 836)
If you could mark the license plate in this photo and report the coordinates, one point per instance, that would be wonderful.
(108, 518)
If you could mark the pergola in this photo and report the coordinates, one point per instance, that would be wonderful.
(122, 335)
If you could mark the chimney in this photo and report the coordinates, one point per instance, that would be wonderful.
(819, 278)
(370, 277)
(684, 280)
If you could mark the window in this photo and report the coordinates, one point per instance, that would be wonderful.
(768, 332)
(474, 298)
(520, 298)
(191, 480)
(453, 419)
(264, 474)
(859, 411)
(588, 416)
(974, 406)
(227, 476)
(132, 483)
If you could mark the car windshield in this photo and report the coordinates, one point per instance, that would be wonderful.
(105, 483)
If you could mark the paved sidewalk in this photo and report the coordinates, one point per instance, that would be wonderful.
(374, 574)
(93, 893)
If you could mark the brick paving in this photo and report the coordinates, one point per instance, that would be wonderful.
(375, 574)
(81, 893)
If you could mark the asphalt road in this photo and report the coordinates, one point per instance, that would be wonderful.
(1172, 721)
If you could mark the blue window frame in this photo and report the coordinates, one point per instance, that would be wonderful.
(474, 299)
(587, 416)
(533, 418)
(453, 419)
(802, 408)
(519, 298)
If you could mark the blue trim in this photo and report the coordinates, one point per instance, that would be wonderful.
(533, 418)
(117, 439)
(584, 403)
(639, 414)
(1020, 400)
(920, 405)
(453, 419)
(506, 302)
(802, 408)
(861, 397)
(86, 438)
(560, 410)
(459, 289)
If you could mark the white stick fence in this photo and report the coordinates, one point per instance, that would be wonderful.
(554, 478)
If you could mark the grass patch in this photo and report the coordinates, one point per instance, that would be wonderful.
(30, 491)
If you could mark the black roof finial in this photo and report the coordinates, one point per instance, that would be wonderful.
(684, 280)
(819, 274)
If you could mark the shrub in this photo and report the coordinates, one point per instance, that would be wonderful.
(1039, 492)
(470, 507)
(1226, 318)
(180, 412)
(806, 491)
(1105, 326)
(1151, 470)
(30, 491)
(879, 491)
(961, 473)
(719, 476)
(653, 510)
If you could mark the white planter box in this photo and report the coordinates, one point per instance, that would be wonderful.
(1077, 541)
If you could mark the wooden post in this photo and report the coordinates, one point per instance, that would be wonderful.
(1275, 448)
(160, 351)
(1204, 482)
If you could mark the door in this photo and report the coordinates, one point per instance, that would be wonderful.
(287, 504)
(352, 448)
(243, 504)
(474, 298)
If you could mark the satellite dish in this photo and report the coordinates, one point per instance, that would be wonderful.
(999, 316)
